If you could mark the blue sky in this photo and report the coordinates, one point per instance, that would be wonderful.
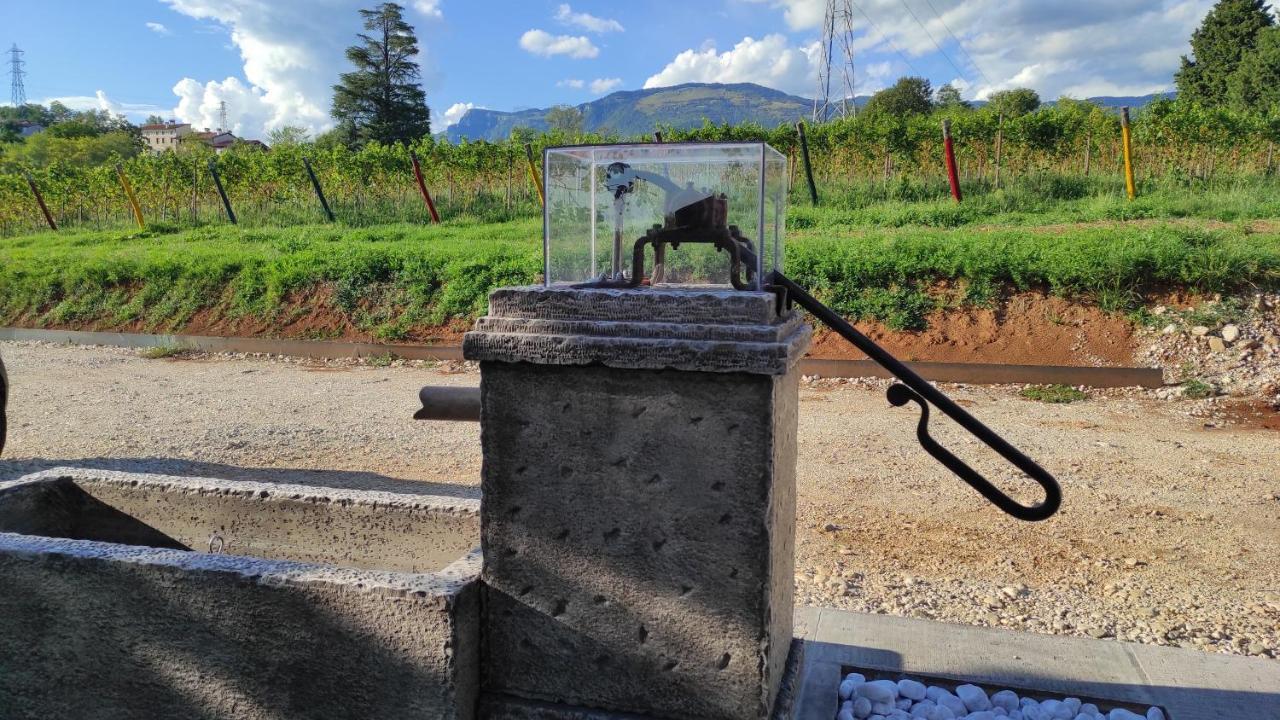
(272, 61)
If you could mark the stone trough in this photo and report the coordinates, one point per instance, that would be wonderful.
(128, 595)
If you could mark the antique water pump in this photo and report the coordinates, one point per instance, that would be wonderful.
(639, 442)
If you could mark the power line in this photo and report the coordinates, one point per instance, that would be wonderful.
(931, 39)
(887, 37)
(959, 44)
(17, 93)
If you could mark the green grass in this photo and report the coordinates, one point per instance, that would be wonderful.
(1197, 389)
(1057, 394)
(391, 280)
(161, 351)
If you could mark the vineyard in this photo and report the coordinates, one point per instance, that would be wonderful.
(1068, 150)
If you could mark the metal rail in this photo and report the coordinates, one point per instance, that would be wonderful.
(914, 388)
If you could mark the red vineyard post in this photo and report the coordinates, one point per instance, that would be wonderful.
(949, 152)
(422, 186)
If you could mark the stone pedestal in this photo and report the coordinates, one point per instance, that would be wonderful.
(638, 521)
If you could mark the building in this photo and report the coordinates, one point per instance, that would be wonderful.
(164, 136)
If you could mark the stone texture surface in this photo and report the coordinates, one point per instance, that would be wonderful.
(686, 328)
(354, 529)
(638, 531)
(106, 630)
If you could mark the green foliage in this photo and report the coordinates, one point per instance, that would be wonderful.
(1227, 34)
(381, 100)
(908, 96)
(1255, 84)
(161, 351)
(566, 119)
(1057, 394)
(948, 96)
(1197, 389)
(1015, 103)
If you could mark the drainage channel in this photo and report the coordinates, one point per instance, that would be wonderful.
(973, 373)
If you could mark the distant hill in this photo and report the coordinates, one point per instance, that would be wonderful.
(638, 112)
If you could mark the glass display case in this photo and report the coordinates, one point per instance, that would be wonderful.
(663, 213)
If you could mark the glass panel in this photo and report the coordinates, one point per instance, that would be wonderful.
(681, 197)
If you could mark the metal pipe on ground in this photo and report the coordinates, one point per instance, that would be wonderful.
(449, 403)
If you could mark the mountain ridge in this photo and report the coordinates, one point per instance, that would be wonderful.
(639, 112)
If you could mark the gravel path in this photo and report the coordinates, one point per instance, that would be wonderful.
(1169, 532)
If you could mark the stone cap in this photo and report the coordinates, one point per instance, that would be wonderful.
(694, 328)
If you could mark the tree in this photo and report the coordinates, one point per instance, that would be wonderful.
(154, 120)
(948, 96)
(381, 99)
(1255, 84)
(908, 96)
(287, 135)
(1228, 33)
(1016, 102)
(565, 119)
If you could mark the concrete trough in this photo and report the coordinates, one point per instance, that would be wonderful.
(126, 595)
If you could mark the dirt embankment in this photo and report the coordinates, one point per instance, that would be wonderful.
(1027, 329)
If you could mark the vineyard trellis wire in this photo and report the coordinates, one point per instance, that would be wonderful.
(486, 180)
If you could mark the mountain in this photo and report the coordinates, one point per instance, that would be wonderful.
(639, 112)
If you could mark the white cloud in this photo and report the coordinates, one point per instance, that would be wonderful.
(769, 61)
(429, 8)
(600, 86)
(456, 111)
(574, 83)
(100, 101)
(157, 28)
(587, 21)
(541, 42)
(292, 54)
(1082, 47)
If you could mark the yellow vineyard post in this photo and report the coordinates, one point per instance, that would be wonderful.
(133, 199)
(533, 174)
(1127, 139)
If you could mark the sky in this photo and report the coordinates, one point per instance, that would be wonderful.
(274, 61)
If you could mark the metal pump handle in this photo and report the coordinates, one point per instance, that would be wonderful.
(915, 388)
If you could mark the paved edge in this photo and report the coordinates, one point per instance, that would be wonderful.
(974, 373)
(1189, 684)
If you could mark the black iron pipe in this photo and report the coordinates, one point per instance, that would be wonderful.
(315, 183)
(914, 388)
(217, 183)
(808, 168)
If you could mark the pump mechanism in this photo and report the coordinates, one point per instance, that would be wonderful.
(694, 216)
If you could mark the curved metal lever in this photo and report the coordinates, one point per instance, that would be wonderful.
(900, 395)
(915, 388)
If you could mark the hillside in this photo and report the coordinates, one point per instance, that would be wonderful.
(639, 112)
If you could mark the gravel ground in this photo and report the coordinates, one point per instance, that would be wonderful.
(1169, 532)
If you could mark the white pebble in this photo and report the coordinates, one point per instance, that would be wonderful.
(1155, 713)
(898, 715)
(861, 707)
(882, 691)
(933, 692)
(844, 715)
(902, 703)
(922, 708)
(1073, 703)
(1122, 714)
(1006, 699)
(911, 689)
(879, 708)
(981, 715)
(1000, 712)
(1016, 715)
(952, 703)
(1089, 709)
(974, 698)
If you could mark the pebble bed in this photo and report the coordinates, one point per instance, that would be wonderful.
(909, 699)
